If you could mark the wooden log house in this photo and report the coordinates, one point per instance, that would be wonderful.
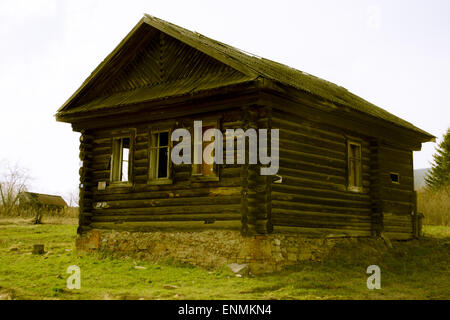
(346, 165)
(31, 200)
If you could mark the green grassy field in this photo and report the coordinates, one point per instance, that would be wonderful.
(410, 270)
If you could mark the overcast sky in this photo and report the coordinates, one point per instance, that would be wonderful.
(395, 54)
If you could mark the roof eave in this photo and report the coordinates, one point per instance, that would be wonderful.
(249, 85)
(274, 85)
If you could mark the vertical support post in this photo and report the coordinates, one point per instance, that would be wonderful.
(254, 186)
(85, 196)
(415, 216)
(375, 189)
(419, 225)
(244, 180)
(268, 113)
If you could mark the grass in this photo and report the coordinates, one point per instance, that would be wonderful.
(410, 270)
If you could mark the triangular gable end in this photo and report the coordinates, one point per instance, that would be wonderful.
(150, 64)
(166, 60)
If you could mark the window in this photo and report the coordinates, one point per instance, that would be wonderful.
(159, 167)
(120, 169)
(204, 169)
(354, 167)
(207, 170)
(395, 178)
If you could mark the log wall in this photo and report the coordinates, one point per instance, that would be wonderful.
(397, 199)
(313, 196)
(185, 204)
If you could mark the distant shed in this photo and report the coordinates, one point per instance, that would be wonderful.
(39, 200)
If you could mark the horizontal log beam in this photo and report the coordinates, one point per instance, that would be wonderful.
(150, 226)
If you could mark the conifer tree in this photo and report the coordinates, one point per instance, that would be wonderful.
(439, 175)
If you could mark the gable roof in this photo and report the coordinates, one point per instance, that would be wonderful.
(250, 68)
(42, 199)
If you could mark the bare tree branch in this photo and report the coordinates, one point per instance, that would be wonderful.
(13, 181)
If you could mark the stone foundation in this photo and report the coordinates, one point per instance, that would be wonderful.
(211, 249)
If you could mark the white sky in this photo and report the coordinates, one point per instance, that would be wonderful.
(395, 54)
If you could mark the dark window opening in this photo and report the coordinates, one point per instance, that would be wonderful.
(354, 166)
(159, 156)
(162, 163)
(395, 178)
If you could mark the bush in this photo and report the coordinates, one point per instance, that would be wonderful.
(435, 205)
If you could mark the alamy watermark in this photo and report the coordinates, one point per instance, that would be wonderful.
(374, 281)
(258, 147)
(74, 280)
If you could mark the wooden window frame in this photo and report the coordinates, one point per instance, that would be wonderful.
(113, 162)
(359, 184)
(154, 162)
(206, 122)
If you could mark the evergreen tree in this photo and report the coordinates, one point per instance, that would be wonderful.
(439, 175)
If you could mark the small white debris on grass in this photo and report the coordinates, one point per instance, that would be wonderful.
(140, 268)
